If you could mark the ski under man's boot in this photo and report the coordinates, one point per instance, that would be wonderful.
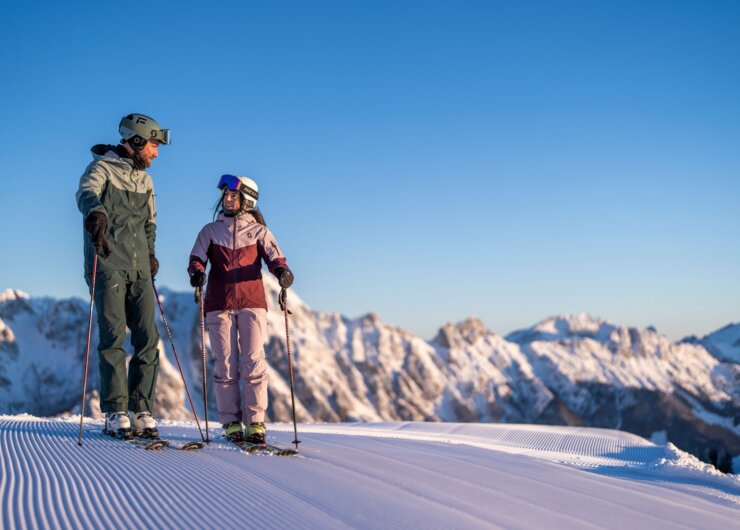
(144, 425)
(118, 425)
(233, 432)
(256, 433)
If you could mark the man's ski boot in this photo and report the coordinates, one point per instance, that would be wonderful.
(256, 433)
(144, 425)
(118, 425)
(233, 432)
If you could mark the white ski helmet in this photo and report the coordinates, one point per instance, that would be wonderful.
(245, 186)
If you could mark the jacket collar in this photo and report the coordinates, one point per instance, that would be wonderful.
(242, 218)
(115, 152)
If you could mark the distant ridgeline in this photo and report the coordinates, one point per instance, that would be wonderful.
(569, 370)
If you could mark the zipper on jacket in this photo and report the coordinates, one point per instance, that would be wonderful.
(233, 258)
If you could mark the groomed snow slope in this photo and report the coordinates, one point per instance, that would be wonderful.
(384, 475)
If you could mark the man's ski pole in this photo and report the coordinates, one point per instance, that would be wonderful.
(284, 306)
(87, 348)
(177, 357)
(199, 300)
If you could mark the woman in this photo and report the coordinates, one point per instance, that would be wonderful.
(236, 244)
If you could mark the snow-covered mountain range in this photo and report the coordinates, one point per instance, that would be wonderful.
(566, 370)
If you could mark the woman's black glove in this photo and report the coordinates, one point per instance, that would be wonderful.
(284, 276)
(198, 279)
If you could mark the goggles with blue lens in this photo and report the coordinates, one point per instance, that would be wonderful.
(234, 183)
(230, 182)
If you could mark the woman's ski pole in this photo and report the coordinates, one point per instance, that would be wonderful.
(283, 298)
(87, 348)
(177, 357)
(199, 300)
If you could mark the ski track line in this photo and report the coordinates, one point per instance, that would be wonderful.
(82, 479)
(288, 474)
(169, 500)
(7, 480)
(43, 451)
(277, 476)
(516, 443)
(28, 502)
(63, 492)
(11, 462)
(606, 482)
(367, 505)
(159, 493)
(119, 475)
(69, 468)
(63, 489)
(45, 487)
(260, 473)
(160, 499)
(602, 481)
(472, 508)
(399, 497)
(668, 493)
(641, 516)
(236, 490)
(253, 502)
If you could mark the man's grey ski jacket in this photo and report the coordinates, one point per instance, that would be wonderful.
(112, 184)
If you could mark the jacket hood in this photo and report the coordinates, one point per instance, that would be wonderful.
(115, 152)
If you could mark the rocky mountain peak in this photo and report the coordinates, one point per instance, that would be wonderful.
(558, 328)
(469, 331)
(13, 302)
(723, 344)
(13, 294)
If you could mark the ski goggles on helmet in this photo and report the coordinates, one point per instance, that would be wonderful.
(233, 183)
(163, 136)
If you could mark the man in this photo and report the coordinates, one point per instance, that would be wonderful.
(116, 198)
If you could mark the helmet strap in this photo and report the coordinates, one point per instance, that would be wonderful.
(227, 212)
(133, 154)
(138, 162)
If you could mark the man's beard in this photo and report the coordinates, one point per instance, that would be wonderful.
(140, 161)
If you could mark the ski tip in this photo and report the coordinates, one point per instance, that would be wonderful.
(156, 444)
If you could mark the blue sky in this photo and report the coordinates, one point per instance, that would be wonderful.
(426, 161)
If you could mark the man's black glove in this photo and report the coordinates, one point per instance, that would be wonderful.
(284, 276)
(97, 225)
(153, 265)
(198, 279)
